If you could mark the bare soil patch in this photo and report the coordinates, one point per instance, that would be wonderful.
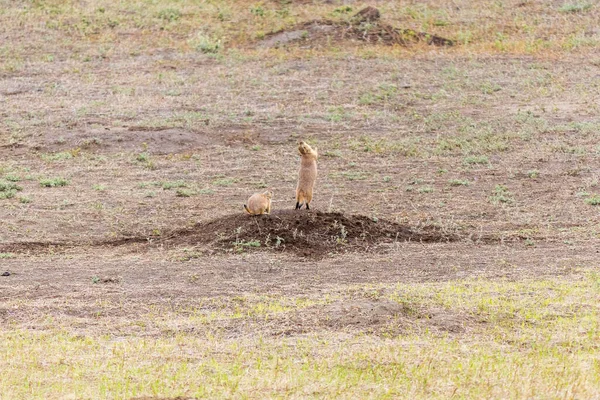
(365, 26)
(386, 315)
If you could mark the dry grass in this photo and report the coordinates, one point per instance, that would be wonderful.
(523, 339)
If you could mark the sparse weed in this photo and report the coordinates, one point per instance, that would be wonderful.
(534, 173)
(593, 200)
(354, 175)
(224, 181)
(205, 44)
(501, 194)
(332, 153)
(169, 14)
(62, 156)
(459, 182)
(575, 7)
(12, 178)
(185, 193)
(143, 157)
(240, 245)
(167, 185)
(475, 160)
(341, 238)
(53, 182)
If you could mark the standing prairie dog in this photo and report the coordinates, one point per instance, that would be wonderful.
(259, 203)
(307, 175)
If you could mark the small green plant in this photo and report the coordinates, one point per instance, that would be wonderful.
(206, 191)
(169, 14)
(354, 175)
(24, 199)
(255, 148)
(459, 182)
(593, 200)
(501, 194)
(207, 45)
(332, 153)
(8, 190)
(6, 255)
(12, 178)
(64, 155)
(341, 238)
(95, 279)
(534, 173)
(489, 88)
(173, 184)
(224, 181)
(575, 7)
(387, 178)
(278, 241)
(341, 10)
(473, 160)
(240, 245)
(185, 193)
(53, 182)
(143, 157)
(99, 188)
(258, 11)
(425, 189)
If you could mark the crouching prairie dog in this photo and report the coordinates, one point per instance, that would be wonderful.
(259, 203)
(307, 175)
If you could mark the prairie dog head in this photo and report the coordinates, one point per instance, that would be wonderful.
(304, 148)
(268, 194)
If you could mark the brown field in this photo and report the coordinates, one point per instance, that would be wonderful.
(452, 248)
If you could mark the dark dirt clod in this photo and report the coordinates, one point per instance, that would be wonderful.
(5, 273)
(364, 26)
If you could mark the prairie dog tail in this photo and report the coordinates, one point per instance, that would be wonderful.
(248, 211)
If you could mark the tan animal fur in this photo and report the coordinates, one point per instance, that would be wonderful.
(259, 203)
(307, 175)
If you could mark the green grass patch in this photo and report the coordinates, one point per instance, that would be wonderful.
(8, 190)
(53, 182)
(476, 160)
(528, 339)
(459, 182)
(593, 200)
(575, 7)
(224, 181)
(501, 194)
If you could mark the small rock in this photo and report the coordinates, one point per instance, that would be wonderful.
(368, 14)
(6, 273)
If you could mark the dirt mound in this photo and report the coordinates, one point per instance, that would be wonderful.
(364, 26)
(306, 233)
(312, 234)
